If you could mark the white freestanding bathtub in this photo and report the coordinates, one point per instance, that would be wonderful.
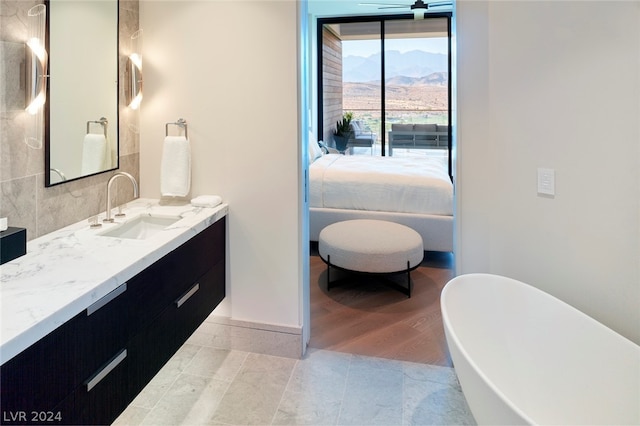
(524, 357)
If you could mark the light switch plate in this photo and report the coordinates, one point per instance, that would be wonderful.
(546, 181)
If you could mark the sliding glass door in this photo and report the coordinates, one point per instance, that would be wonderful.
(350, 83)
(389, 74)
(416, 88)
(361, 91)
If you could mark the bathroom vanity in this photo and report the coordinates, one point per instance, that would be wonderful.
(93, 314)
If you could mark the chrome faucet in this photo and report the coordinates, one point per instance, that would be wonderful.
(114, 177)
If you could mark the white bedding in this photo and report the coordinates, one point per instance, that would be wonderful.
(389, 184)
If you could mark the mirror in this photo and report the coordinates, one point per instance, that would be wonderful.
(81, 113)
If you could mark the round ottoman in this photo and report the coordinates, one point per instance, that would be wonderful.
(371, 246)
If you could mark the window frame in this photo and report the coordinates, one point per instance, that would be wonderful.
(321, 22)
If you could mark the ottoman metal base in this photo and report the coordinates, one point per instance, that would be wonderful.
(405, 290)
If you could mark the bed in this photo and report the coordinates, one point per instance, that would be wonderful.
(416, 192)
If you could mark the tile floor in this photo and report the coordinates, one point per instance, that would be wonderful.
(204, 385)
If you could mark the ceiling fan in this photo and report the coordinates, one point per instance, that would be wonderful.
(418, 8)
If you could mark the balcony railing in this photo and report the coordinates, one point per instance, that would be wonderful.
(372, 121)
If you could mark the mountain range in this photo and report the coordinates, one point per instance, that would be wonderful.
(403, 68)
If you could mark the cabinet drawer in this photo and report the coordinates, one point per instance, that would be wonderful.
(159, 285)
(197, 308)
(99, 333)
(160, 340)
(35, 379)
(100, 399)
(45, 373)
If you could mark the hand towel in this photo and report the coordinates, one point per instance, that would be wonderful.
(206, 201)
(175, 170)
(94, 153)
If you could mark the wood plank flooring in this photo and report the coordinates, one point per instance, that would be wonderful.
(365, 316)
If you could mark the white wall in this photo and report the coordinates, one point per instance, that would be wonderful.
(230, 69)
(552, 84)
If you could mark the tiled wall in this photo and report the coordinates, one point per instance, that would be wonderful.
(23, 198)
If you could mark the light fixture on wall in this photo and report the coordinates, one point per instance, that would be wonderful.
(36, 74)
(134, 72)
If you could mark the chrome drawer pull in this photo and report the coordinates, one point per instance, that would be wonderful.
(187, 295)
(106, 299)
(106, 370)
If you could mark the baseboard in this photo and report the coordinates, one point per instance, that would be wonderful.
(270, 339)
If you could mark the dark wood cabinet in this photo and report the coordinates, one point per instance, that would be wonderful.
(89, 369)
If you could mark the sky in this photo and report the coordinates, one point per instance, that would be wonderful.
(367, 48)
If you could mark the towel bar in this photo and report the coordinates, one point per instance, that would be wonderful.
(103, 122)
(180, 123)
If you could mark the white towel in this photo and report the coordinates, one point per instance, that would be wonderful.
(94, 153)
(175, 170)
(206, 201)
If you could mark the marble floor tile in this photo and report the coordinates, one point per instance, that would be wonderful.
(190, 400)
(307, 408)
(433, 397)
(132, 416)
(221, 364)
(203, 385)
(254, 395)
(373, 394)
(161, 383)
(315, 390)
(211, 335)
(321, 372)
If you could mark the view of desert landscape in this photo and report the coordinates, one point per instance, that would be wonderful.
(416, 84)
(408, 100)
(422, 97)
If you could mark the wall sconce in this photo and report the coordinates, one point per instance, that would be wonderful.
(133, 71)
(36, 73)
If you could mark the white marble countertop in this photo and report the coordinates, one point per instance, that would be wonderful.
(64, 272)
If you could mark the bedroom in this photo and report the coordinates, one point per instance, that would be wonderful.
(410, 184)
(384, 75)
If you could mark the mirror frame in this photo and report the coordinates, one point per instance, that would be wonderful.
(47, 106)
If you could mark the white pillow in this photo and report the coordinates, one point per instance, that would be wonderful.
(314, 149)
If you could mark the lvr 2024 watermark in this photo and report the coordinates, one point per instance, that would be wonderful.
(31, 416)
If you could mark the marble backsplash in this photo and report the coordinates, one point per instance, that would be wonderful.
(24, 200)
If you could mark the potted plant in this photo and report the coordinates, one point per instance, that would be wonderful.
(343, 131)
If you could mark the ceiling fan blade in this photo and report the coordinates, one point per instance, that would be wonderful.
(407, 6)
(384, 5)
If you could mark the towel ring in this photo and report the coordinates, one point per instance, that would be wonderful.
(103, 122)
(180, 123)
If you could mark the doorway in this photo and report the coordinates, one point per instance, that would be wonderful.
(386, 71)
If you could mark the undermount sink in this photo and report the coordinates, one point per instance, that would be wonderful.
(142, 227)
